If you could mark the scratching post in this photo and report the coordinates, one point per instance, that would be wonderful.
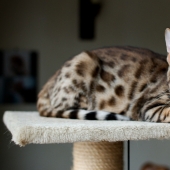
(97, 144)
(98, 156)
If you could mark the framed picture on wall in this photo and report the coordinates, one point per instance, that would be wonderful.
(18, 76)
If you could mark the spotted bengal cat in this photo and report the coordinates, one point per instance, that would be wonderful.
(115, 83)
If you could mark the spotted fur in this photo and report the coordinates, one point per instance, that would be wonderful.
(115, 83)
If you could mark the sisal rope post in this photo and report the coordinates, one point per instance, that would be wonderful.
(98, 156)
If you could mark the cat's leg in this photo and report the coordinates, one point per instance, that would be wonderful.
(150, 108)
(158, 114)
(156, 110)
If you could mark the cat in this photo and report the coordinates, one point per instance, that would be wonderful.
(113, 83)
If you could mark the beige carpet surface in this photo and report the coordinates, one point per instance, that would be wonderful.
(29, 127)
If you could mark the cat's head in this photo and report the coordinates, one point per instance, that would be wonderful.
(167, 40)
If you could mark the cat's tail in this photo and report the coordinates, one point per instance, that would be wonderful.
(83, 114)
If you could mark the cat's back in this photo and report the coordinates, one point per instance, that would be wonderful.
(132, 62)
(128, 54)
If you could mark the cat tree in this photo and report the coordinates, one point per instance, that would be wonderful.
(97, 144)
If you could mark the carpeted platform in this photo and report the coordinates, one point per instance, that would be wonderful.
(29, 127)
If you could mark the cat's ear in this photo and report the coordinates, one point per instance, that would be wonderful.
(167, 39)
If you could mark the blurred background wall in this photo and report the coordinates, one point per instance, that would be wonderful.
(51, 28)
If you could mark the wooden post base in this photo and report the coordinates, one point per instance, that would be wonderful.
(98, 156)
